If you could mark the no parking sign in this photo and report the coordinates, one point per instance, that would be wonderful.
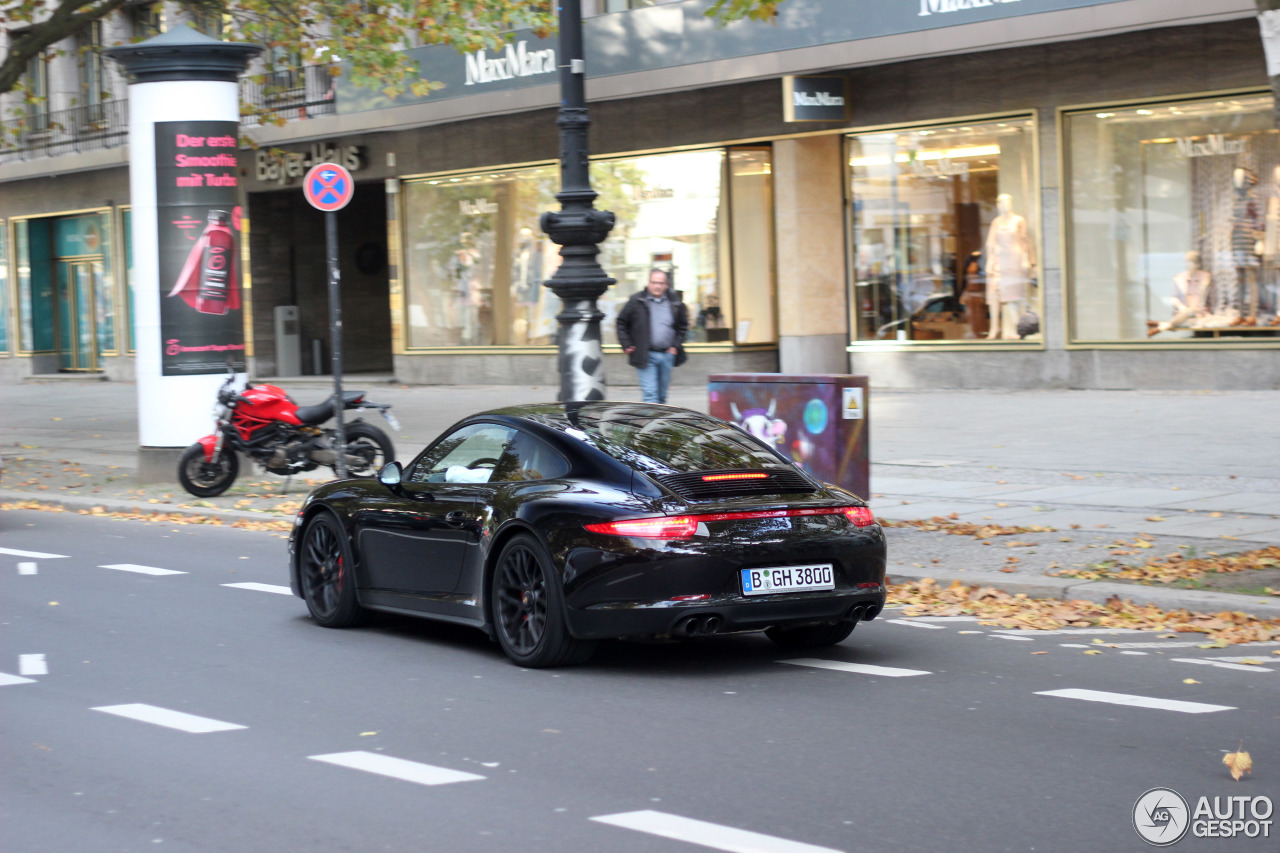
(328, 187)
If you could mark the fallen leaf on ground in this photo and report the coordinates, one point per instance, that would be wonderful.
(1154, 518)
(1238, 762)
(1039, 653)
(927, 597)
(1189, 681)
(1093, 652)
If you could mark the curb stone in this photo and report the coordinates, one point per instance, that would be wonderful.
(74, 502)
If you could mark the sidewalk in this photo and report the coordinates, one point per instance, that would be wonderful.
(1192, 472)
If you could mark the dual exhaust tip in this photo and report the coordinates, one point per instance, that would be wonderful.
(864, 612)
(698, 626)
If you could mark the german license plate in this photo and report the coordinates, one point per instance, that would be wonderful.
(787, 579)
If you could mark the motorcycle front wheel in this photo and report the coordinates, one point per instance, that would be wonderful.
(207, 479)
(368, 449)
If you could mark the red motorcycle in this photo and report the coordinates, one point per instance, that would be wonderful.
(266, 425)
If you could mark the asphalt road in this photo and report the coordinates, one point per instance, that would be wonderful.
(662, 747)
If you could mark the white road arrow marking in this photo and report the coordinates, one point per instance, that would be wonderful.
(861, 668)
(1136, 701)
(37, 555)
(711, 835)
(396, 768)
(170, 719)
(6, 679)
(261, 587)
(26, 568)
(142, 570)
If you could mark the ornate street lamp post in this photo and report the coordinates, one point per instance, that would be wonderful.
(578, 228)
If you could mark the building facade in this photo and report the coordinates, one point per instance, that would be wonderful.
(1034, 193)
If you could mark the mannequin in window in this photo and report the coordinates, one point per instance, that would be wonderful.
(1247, 246)
(1009, 265)
(1190, 296)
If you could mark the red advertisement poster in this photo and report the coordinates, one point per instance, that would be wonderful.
(201, 319)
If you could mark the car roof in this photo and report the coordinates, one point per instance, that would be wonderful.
(581, 422)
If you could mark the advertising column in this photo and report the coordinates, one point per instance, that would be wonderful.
(183, 180)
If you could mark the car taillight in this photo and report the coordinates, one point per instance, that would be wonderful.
(685, 526)
(861, 516)
(664, 527)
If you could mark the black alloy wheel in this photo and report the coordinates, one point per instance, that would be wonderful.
(811, 636)
(368, 449)
(207, 479)
(326, 574)
(528, 608)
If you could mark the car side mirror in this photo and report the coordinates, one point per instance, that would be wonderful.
(390, 476)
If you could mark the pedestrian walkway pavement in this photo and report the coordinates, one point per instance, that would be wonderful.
(1171, 511)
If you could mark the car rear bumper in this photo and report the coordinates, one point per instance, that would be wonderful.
(725, 614)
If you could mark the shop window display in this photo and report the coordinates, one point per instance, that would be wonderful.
(476, 258)
(1173, 217)
(944, 223)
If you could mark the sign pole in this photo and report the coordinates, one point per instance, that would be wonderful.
(328, 187)
(335, 324)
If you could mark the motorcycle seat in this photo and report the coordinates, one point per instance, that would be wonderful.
(321, 412)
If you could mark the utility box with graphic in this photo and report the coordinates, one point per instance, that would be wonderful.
(288, 341)
(819, 422)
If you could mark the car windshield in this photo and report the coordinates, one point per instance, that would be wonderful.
(680, 441)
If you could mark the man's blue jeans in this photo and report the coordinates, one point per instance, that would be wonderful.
(655, 378)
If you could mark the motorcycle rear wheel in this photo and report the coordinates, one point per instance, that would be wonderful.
(207, 479)
(368, 449)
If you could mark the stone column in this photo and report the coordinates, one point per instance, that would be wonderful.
(813, 317)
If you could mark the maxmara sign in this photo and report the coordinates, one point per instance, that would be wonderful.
(516, 61)
(939, 7)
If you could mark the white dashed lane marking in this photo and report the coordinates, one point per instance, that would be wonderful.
(1136, 701)
(914, 624)
(711, 835)
(26, 568)
(32, 665)
(35, 555)
(396, 768)
(6, 679)
(142, 570)
(170, 719)
(261, 587)
(1011, 637)
(1225, 664)
(860, 668)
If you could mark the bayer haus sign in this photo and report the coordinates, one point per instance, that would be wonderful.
(815, 99)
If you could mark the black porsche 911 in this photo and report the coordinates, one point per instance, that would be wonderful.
(550, 526)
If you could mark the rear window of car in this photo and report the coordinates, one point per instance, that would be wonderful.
(684, 442)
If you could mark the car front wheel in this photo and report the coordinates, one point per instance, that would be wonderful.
(325, 574)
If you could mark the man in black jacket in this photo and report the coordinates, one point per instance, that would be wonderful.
(651, 330)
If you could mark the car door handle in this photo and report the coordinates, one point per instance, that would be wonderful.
(457, 518)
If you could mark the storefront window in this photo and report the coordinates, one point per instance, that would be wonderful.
(1173, 216)
(945, 229)
(476, 257)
